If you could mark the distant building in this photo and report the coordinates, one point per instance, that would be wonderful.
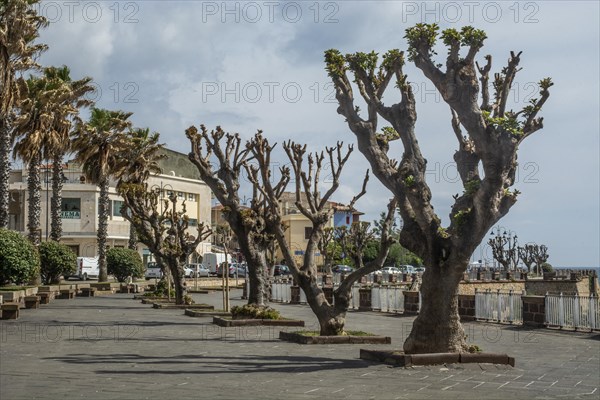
(299, 227)
(80, 204)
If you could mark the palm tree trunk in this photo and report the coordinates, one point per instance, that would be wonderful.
(4, 172)
(55, 205)
(34, 187)
(102, 229)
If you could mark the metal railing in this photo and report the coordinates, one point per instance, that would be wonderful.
(499, 306)
(572, 311)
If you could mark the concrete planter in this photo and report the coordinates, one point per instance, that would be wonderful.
(226, 322)
(399, 358)
(13, 296)
(349, 339)
(205, 313)
(183, 306)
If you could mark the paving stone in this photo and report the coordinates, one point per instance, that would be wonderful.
(115, 347)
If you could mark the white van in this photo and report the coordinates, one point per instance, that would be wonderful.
(213, 260)
(87, 267)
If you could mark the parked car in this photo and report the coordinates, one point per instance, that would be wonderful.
(281, 270)
(235, 269)
(408, 269)
(341, 269)
(391, 271)
(190, 270)
(153, 271)
(420, 269)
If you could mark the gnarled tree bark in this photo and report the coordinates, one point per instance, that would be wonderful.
(247, 223)
(164, 229)
(493, 135)
(313, 205)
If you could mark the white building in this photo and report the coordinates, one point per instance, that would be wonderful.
(80, 204)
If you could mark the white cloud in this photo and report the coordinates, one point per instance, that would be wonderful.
(192, 63)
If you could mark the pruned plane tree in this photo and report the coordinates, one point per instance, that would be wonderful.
(488, 135)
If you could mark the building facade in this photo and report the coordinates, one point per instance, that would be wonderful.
(79, 209)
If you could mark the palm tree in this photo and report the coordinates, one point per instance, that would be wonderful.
(31, 132)
(97, 144)
(66, 113)
(137, 164)
(19, 26)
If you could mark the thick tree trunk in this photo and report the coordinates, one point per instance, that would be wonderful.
(437, 329)
(55, 205)
(178, 279)
(133, 239)
(331, 319)
(4, 173)
(256, 259)
(102, 229)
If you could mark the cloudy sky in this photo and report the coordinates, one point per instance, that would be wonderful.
(259, 65)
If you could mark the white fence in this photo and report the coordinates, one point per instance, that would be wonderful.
(281, 292)
(387, 299)
(383, 298)
(573, 311)
(499, 306)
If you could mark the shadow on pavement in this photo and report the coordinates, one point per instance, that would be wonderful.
(202, 365)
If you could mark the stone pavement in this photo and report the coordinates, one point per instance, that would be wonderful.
(114, 347)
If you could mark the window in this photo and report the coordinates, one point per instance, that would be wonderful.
(191, 197)
(70, 208)
(193, 222)
(307, 232)
(180, 195)
(347, 220)
(116, 208)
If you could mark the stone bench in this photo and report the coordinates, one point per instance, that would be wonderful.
(10, 310)
(88, 292)
(67, 293)
(32, 302)
(45, 297)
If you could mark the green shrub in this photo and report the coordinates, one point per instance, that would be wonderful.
(19, 259)
(161, 289)
(253, 311)
(56, 259)
(547, 267)
(123, 263)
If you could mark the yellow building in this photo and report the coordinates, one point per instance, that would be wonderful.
(299, 227)
(80, 204)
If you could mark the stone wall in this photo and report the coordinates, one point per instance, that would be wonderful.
(411, 302)
(468, 288)
(534, 287)
(466, 307)
(534, 310)
(540, 287)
